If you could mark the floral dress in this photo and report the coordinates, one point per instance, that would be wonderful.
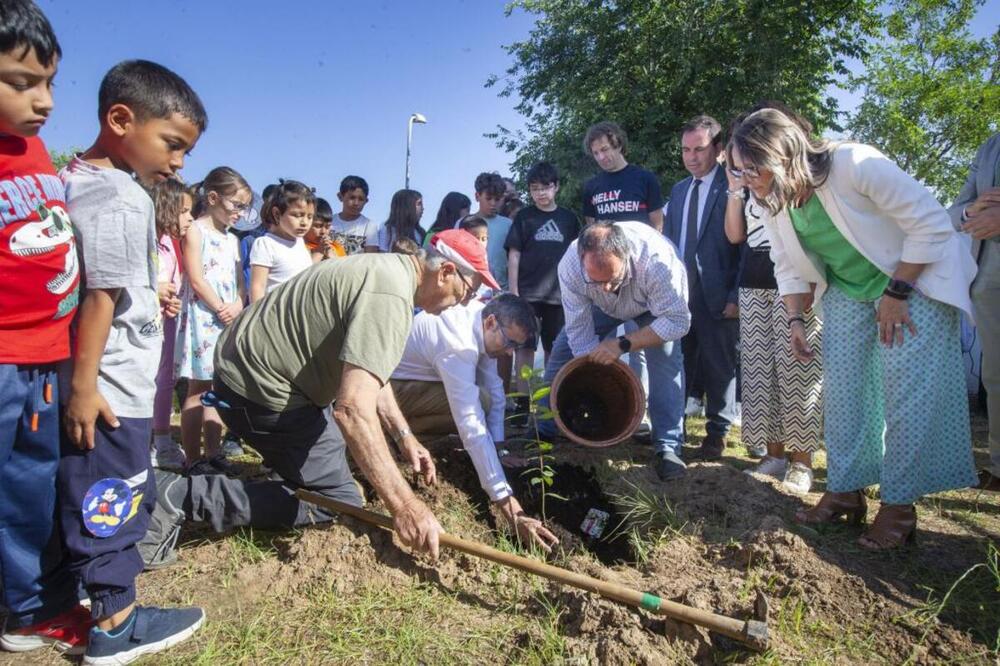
(198, 328)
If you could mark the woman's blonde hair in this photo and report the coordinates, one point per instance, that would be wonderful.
(769, 139)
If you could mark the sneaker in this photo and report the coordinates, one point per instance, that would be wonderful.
(645, 428)
(147, 630)
(66, 632)
(737, 419)
(757, 451)
(770, 466)
(695, 407)
(798, 479)
(231, 446)
(669, 466)
(200, 467)
(158, 547)
(167, 454)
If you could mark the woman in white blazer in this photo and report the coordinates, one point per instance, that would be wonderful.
(890, 276)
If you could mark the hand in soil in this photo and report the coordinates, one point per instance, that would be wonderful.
(419, 458)
(531, 531)
(417, 527)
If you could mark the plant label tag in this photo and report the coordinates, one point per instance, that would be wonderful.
(594, 523)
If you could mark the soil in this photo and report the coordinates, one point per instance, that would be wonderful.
(731, 536)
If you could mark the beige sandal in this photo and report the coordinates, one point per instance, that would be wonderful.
(832, 506)
(894, 526)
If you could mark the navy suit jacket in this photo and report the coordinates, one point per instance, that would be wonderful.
(719, 262)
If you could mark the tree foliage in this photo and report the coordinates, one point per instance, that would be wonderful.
(931, 93)
(650, 65)
(62, 158)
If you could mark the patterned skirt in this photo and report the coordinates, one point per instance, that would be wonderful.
(782, 397)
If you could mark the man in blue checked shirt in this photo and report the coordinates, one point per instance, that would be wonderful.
(627, 271)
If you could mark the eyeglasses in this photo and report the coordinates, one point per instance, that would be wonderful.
(614, 282)
(507, 342)
(235, 205)
(746, 172)
(466, 283)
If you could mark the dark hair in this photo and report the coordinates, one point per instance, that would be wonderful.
(707, 123)
(470, 222)
(543, 173)
(354, 183)
(168, 196)
(451, 205)
(404, 246)
(491, 184)
(284, 194)
(511, 310)
(603, 238)
(222, 180)
(403, 220)
(24, 26)
(324, 212)
(605, 130)
(151, 91)
(511, 206)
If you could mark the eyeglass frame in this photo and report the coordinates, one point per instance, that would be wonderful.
(617, 281)
(507, 342)
(236, 207)
(749, 172)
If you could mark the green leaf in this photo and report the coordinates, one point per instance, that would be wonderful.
(548, 473)
(536, 480)
(546, 479)
(545, 414)
(545, 447)
(555, 496)
(541, 393)
(525, 372)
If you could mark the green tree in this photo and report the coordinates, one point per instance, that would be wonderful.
(650, 65)
(62, 158)
(930, 91)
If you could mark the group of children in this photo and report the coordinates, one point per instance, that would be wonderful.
(143, 273)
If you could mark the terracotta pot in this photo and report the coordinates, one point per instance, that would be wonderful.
(597, 405)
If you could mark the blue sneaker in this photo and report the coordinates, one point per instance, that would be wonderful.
(147, 630)
(231, 446)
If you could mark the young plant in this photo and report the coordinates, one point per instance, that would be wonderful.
(540, 473)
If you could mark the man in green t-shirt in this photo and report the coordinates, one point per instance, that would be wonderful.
(331, 335)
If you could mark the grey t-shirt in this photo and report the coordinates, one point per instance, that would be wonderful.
(115, 228)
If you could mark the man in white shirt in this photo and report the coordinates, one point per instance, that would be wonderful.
(627, 271)
(447, 382)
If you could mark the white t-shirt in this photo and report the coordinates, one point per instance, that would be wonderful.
(381, 238)
(286, 258)
(353, 235)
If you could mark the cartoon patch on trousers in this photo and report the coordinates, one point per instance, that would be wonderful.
(51, 232)
(110, 503)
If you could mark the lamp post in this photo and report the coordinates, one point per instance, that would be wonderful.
(414, 118)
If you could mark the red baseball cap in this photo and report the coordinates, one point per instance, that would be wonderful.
(466, 252)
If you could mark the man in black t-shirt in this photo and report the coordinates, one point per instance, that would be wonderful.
(622, 191)
(536, 242)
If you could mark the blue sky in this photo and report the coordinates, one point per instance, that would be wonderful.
(315, 90)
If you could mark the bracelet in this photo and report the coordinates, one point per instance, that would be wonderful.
(797, 318)
(402, 434)
(895, 294)
(737, 194)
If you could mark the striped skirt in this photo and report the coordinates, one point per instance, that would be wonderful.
(782, 397)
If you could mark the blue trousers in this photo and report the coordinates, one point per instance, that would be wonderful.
(34, 583)
(107, 563)
(665, 366)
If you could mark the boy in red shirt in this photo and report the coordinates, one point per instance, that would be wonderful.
(40, 278)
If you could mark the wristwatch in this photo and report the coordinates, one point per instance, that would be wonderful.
(898, 289)
(624, 344)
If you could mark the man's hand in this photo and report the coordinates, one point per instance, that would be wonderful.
(417, 527)
(606, 353)
(82, 412)
(984, 224)
(419, 458)
(731, 311)
(987, 199)
(529, 531)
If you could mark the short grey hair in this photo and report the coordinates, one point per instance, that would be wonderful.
(511, 310)
(603, 238)
(431, 258)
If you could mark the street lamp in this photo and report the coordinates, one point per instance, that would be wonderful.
(418, 118)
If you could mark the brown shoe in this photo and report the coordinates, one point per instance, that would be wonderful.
(988, 482)
(711, 448)
(832, 506)
(894, 525)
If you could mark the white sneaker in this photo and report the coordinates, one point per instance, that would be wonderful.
(770, 466)
(645, 426)
(798, 479)
(167, 454)
(694, 407)
(738, 415)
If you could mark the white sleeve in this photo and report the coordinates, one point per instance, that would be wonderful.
(261, 253)
(785, 275)
(458, 373)
(491, 382)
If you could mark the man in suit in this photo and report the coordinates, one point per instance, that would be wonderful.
(976, 212)
(696, 224)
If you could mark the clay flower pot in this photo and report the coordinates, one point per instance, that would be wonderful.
(597, 405)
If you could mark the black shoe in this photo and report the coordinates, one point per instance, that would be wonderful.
(201, 467)
(223, 466)
(711, 448)
(158, 547)
(669, 467)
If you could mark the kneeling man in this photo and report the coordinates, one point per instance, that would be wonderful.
(447, 382)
